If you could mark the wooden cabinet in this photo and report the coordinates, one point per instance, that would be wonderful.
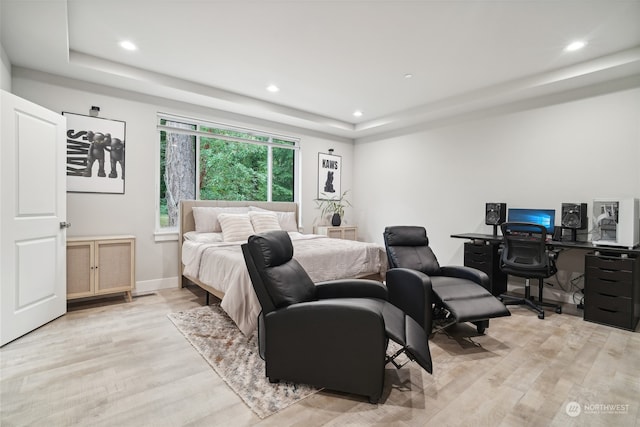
(612, 290)
(345, 233)
(485, 257)
(100, 265)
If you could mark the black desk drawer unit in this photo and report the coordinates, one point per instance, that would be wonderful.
(486, 258)
(612, 290)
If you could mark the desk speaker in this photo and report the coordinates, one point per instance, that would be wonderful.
(574, 215)
(495, 213)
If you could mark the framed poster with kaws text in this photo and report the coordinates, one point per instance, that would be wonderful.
(95, 154)
(329, 173)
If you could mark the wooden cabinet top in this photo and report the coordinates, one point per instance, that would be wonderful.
(105, 237)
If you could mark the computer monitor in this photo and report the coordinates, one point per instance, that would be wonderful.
(546, 217)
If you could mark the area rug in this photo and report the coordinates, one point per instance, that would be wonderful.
(236, 359)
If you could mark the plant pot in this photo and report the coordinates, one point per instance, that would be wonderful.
(336, 220)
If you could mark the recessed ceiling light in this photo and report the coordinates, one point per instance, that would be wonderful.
(357, 113)
(128, 45)
(408, 76)
(577, 45)
(273, 88)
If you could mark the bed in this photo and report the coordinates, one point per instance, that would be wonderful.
(216, 264)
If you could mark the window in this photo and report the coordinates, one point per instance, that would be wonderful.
(209, 161)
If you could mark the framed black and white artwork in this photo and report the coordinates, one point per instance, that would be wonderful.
(95, 154)
(329, 171)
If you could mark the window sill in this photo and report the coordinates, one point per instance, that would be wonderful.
(166, 236)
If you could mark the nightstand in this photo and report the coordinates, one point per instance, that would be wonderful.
(342, 232)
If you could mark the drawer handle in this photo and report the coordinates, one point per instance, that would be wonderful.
(608, 295)
(604, 279)
(608, 310)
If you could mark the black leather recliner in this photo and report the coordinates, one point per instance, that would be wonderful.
(331, 334)
(460, 293)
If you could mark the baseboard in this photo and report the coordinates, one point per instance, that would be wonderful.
(553, 290)
(150, 286)
(550, 293)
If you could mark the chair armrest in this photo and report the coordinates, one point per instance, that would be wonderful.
(410, 291)
(469, 273)
(339, 312)
(351, 288)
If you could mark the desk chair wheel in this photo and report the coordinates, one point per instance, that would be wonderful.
(480, 329)
(541, 315)
(559, 310)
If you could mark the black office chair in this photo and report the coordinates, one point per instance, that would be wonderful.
(330, 334)
(525, 254)
(460, 293)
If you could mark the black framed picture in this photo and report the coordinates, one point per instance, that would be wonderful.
(329, 171)
(95, 154)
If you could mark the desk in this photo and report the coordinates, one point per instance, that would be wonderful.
(490, 238)
(493, 239)
(611, 276)
(482, 253)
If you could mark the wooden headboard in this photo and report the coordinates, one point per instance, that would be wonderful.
(187, 222)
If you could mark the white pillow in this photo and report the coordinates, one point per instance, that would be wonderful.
(206, 218)
(195, 236)
(235, 227)
(287, 220)
(264, 221)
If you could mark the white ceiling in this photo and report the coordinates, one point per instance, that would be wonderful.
(330, 57)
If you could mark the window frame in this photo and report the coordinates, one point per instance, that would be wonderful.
(171, 233)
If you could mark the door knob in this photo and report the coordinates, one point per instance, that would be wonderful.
(64, 224)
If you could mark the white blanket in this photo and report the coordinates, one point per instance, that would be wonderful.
(222, 266)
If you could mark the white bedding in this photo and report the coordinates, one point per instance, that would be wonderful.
(221, 266)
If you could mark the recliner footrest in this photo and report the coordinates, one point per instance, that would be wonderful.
(474, 309)
(417, 345)
(409, 334)
(466, 300)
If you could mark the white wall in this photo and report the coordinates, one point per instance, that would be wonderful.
(134, 212)
(442, 177)
(439, 177)
(5, 70)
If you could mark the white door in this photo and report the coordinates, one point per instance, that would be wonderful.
(32, 208)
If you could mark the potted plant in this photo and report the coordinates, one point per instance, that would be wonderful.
(334, 207)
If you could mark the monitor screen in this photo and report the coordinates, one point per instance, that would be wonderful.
(546, 217)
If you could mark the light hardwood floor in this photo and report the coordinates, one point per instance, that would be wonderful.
(112, 363)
